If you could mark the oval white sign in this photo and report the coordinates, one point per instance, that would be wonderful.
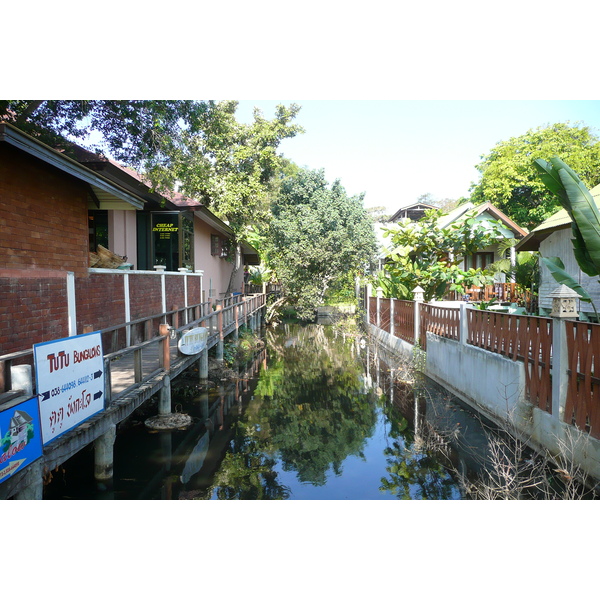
(193, 341)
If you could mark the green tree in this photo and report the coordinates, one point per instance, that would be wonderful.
(425, 254)
(318, 235)
(510, 182)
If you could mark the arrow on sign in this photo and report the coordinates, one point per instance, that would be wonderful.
(44, 396)
(97, 395)
(97, 374)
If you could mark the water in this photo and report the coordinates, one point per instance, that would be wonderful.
(318, 414)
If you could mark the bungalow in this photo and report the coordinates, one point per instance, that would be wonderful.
(553, 238)
(45, 193)
(482, 213)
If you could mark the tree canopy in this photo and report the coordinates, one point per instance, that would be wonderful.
(318, 234)
(509, 179)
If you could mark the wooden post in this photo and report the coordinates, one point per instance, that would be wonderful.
(163, 330)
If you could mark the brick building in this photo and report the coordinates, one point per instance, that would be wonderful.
(54, 210)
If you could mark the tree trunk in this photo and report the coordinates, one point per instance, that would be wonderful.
(237, 263)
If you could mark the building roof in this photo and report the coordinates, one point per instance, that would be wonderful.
(419, 207)
(559, 220)
(457, 213)
(101, 188)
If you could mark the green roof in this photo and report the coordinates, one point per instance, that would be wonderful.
(559, 220)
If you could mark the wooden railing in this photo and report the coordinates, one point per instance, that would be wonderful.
(396, 317)
(404, 320)
(133, 342)
(524, 338)
(439, 320)
(502, 292)
(582, 407)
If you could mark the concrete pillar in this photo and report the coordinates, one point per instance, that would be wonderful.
(104, 454)
(418, 296)
(560, 366)
(203, 365)
(164, 402)
(463, 324)
(35, 487)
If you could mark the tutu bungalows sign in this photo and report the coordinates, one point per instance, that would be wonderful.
(70, 382)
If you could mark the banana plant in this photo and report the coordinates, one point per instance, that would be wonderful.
(576, 199)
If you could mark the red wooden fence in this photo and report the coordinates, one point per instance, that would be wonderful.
(582, 406)
(524, 338)
(439, 320)
(404, 320)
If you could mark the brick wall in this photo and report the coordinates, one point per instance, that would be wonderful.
(43, 216)
(145, 296)
(33, 308)
(100, 301)
(33, 304)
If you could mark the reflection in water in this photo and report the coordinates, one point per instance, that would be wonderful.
(318, 415)
(318, 427)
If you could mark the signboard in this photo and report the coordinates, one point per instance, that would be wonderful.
(70, 382)
(165, 230)
(193, 341)
(20, 437)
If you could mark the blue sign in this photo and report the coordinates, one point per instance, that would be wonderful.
(20, 437)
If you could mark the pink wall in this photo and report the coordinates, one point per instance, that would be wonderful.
(215, 268)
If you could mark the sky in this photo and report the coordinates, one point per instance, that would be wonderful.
(397, 150)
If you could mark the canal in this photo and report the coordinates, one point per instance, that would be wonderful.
(315, 414)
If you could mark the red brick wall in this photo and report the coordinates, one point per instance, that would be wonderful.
(145, 296)
(174, 291)
(100, 301)
(194, 290)
(33, 304)
(43, 215)
(33, 308)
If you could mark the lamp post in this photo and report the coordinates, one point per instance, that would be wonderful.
(563, 307)
(563, 303)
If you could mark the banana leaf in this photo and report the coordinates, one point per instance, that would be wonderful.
(557, 269)
(575, 198)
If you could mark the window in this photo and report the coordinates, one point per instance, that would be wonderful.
(215, 245)
(480, 260)
(98, 228)
(219, 246)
